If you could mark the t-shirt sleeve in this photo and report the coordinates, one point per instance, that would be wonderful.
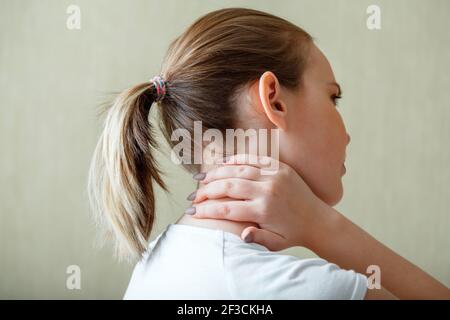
(268, 275)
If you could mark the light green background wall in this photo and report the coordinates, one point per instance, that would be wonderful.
(396, 108)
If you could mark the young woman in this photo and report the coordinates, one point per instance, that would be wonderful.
(242, 69)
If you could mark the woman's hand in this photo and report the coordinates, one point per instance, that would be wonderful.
(277, 199)
(289, 214)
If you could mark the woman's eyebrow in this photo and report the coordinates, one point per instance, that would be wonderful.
(334, 83)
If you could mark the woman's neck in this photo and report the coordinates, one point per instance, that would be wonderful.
(235, 227)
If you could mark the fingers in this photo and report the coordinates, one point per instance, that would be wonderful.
(237, 171)
(232, 188)
(270, 240)
(231, 210)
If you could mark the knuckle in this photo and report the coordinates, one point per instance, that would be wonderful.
(225, 209)
(242, 171)
(228, 186)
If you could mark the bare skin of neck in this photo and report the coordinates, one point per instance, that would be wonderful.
(235, 227)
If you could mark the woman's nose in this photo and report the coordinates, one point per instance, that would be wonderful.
(348, 139)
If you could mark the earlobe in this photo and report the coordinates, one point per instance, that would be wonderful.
(271, 99)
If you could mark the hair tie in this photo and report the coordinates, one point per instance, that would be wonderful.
(160, 85)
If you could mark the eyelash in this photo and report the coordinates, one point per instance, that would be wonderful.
(335, 99)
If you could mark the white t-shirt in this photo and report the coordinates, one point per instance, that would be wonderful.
(189, 262)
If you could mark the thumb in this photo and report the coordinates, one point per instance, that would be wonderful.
(270, 240)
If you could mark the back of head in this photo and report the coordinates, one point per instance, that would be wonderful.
(202, 74)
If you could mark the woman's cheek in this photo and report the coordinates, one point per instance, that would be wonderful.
(338, 194)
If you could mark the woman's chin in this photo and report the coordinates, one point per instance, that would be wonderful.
(334, 196)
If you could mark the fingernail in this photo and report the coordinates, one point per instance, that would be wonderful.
(191, 196)
(190, 210)
(248, 238)
(199, 176)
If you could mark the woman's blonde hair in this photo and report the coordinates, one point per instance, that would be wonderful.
(204, 68)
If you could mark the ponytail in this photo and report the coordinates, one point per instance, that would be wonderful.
(122, 170)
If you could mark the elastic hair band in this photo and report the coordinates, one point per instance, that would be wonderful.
(160, 85)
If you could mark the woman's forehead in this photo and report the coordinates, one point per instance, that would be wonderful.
(319, 67)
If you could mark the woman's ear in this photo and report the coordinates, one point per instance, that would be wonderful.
(269, 93)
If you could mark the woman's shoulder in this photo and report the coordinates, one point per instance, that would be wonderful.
(254, 272)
